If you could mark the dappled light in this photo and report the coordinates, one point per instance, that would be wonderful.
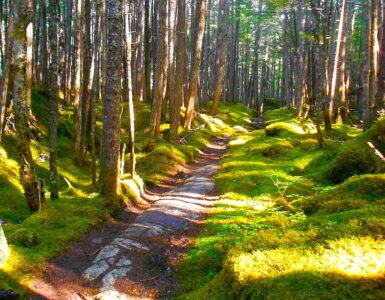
(192, 149)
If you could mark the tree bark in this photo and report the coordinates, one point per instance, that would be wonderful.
(161, 71)
(110, 150)
(130, 104)
(221, 56)
(147, 52)
(6, 87)
(22, 24)
(54, 92)
(178, 99)
(190, 113)
(78, 78)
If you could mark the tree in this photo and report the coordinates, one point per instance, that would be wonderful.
(22, 24)
(129, 93)
(178, 98)
(54, 92)
(220, 55)
(161, 71)
(77, 103)
(110, 149)
(201, 19)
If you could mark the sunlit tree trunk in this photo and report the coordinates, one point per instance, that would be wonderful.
(130, 105)
(220, 55)
(339, 66)
(201, 18)
(161, 71)
(78, 77)
(110, 150)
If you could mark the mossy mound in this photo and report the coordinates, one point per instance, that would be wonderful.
(283, 129)
(277, 149)
(355, 159)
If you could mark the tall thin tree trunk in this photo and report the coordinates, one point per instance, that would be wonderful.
(95, 91)
(78, 78)
(339, 62)
(86, 82)
(138, 59)
(130, 105)
(161, 71)
(43, 45)
(201, 18)
(365, 100)
(54, 93)
(221, 56)
(147, 52)
(178, 97)
(7, 78)
(67, 51)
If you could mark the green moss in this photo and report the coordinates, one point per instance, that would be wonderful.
(329, 245)
(356, 159)
(283, 129)
(23, 237)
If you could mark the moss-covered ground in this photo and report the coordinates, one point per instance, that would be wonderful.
(35, 238)
(282, 228)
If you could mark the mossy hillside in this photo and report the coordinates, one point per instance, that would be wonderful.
(282, 230)
(35, 238)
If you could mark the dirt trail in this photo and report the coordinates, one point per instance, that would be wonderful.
(135, 256)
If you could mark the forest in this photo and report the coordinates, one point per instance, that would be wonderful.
(192, 149)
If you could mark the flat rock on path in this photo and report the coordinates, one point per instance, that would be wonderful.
(137, 263)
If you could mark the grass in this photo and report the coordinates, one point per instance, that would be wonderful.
(35, 238)
(282, 229)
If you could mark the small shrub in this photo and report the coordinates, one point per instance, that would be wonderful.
(23, 237)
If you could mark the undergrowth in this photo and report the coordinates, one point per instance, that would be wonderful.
(282, 228)
(35, 238)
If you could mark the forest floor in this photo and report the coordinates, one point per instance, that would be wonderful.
(136, 256)
(294, 221)
(35, 239)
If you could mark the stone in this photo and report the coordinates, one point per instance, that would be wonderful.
(129, 244)
(110, 278)
(95, 270)
(124, 262)
(107, 252)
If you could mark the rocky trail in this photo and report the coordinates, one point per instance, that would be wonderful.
(135, 256)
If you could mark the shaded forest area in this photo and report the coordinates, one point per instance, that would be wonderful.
(101, 99)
